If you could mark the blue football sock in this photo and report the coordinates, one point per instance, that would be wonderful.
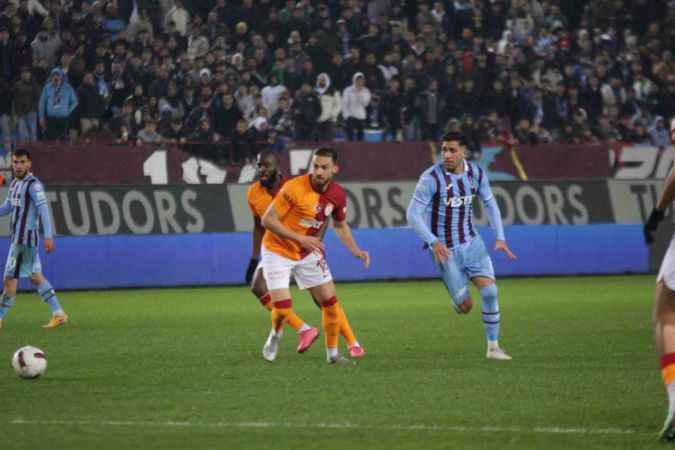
(490, 312)
(6, 302)
(48, 295)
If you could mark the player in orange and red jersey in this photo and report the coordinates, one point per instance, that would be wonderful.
(260, 196)
(292, 246)
(664, 306)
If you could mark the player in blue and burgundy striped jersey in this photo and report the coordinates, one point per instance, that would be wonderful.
(441, 213)
(27, 203)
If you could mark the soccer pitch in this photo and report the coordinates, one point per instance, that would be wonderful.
(181, 369)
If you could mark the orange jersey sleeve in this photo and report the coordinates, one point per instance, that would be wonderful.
(304, 211)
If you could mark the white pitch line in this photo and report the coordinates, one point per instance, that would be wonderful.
(339, 426)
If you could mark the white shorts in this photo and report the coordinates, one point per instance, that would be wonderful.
(667, 272)
(309, 272)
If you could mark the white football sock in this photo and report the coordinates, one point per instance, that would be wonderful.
(671, 396)
(331, 353)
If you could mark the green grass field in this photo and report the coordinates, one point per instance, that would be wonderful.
(181, 369)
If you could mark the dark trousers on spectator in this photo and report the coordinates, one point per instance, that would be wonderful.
(57, 128)
(430, 131)
(355, 129)
(392, 133)
(326, 131)
(304, 132)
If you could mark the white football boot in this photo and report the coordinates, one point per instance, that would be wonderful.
(497, 353)
(271, 346)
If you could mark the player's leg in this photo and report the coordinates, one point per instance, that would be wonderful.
(32, 267)
(478, 266)
(457, 284)
(48, 294)
(313, 274)
(277, 271)
(330, 309)
(355, 348)
(11, 277)
(259, 289)
(664, 327)
(8, 297)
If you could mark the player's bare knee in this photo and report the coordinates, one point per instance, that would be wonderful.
(664, 307)
(258, 291)
(36, 279)
(466, 306)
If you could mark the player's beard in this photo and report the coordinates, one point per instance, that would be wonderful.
(272, 178)
(450, 166)
(320, 185)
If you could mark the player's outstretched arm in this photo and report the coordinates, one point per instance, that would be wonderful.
(344, 232)
(495, 219)
(272, 222)
(416, 216)
(659, 212)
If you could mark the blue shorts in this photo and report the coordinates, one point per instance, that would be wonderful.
(22, 261)
(467, 261)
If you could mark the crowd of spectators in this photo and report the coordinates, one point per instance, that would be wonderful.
(206, 73)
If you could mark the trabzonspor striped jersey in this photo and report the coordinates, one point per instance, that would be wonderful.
(304, 211)
(24, 198)
(449, 201)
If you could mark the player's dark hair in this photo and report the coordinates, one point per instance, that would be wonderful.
(455, 136)
(269, 154)
(22, 152)
(327, 151)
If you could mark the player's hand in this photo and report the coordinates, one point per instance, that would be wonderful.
(311, 244)
(250, 270)
(501, 246)
(652, 224)
(440, 251)
(43, 123)
(49, 245)
(363, 256)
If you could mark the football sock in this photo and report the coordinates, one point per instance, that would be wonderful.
(6, 302)
(331, 353)
(331, 324)
(295, 322)
(346, 329)
(490, 312)
(48, 295)
(668, 374)
(280, 312)
(266, 301)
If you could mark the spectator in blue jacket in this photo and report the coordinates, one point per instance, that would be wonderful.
(57, 103)
(659, 135)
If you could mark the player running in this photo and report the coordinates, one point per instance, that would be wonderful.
(664, 306)
(441, 214)
(291, 246)
(27, 202)
(260, 196)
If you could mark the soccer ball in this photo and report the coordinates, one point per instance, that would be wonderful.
(29, 362)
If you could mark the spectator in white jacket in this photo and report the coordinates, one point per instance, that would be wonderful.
(271, 94)
(179, 16)
(355, 100)
(331, 105)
